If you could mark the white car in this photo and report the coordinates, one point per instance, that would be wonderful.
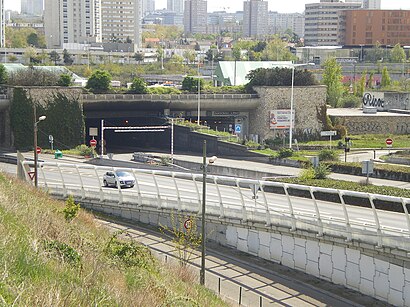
(125, 179)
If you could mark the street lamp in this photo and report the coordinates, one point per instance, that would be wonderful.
(199, 94)
(41, 118)
(204, 170)
(291, 100)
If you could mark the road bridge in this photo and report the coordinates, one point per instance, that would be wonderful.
(358, 240)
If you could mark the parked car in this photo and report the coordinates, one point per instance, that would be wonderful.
(125, 179)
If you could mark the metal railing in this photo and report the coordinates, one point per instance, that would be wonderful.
(375, 219)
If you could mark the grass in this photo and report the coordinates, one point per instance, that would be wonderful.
(47, 261)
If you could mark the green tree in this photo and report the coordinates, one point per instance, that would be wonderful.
(386, 80)
(332, 78)
(3, 74)
(99, 81)
(67, 58)
(371, 79)
(398, 55)
(55, 57)
(361, 87)
(65, 80)
(139, 57)
(33, 40)
(30, 55)
(189, 56)
(138, 86)
(190, 84)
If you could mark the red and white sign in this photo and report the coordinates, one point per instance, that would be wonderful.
(188, 224)
(389, 142)
(93, 143)
(280, 119)
(38, 150)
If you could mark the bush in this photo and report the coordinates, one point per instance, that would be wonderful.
(273, 143)
(71, 209)
(321, 171)
(285, 153)
(85, 150)
(65, 80)
(163, 90)
(138, 86)
(328, 155)
(190, 84)
(350, 101)
(99, 81)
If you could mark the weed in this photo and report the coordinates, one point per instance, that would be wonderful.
(71, 209)
(63, 251)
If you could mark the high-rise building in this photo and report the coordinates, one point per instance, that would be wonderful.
(121, 21)
(372, 4)
(279, 23)
(72, 21)
(88, 21)
(32, 7)
(2, 25)
(255, 18)
(176, 6)
(195, 16)
(147, 7)
(321, 21)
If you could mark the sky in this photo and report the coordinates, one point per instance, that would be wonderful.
(290, 6)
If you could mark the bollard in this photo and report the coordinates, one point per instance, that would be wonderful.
(219, 285)
(260, 301)
(240, 295)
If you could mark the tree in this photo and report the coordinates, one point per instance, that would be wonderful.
(386, 80)
(30, 55)
(189, 56)
(332, 78)
(67, 58)
(398, 55)
(65, 80)
(33, 40)
(55, 57)
(99, 81)
(190, 84)
(138, 86)
(361, 87)
(3, 74)
(139, 57)
(371, 79)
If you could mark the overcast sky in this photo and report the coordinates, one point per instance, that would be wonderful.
(289, 6)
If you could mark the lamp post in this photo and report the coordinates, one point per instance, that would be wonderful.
(293, 66)
(204, 170)
(199, 95)
(41, 118)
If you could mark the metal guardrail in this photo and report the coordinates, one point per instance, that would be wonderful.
(167, 97)
(297, 207)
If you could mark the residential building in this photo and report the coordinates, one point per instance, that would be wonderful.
(322, 20)
(372, 4)
(147, 6)
(195, 16)
(367, 27)
(279, 23)
(255, 18)
(2, 25)
(121, 21)
(32, 7)
(176, 6)
(72, 22)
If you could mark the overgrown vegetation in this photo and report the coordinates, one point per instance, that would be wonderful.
(46, 261)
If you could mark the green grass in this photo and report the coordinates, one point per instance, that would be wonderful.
(47, 261)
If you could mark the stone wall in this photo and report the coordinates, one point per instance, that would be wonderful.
(307, 103)
(379, 124)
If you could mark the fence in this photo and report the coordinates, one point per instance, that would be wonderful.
(375, 219)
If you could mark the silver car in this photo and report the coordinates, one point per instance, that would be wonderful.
(125, 179)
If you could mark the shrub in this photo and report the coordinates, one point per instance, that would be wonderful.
(351, 101)
(321, 171)
(190, 84)
(163, 90)
(85, 150)
(138, 86)
(272, 143)
(307, 174)
(99, 81)
(285, 153)
(65, 80)
(328, 155)
(71, 209)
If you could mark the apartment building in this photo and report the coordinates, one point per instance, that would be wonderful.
(32, 7)
(255, 17)
(369, 27)
(322, 20)
(278, 23)
(147, 7)
(69, 22)
(372, 4)
(176, 6)
(195, 16)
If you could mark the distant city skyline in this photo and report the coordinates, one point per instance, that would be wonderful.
(237, 5)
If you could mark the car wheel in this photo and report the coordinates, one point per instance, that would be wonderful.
(105, 183)
(115, 184)
(131, 186)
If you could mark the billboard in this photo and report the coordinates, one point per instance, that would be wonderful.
(280, 119)
(375, 100)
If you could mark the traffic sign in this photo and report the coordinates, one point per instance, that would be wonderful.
(93, 143)
(389, 142)
(188, 224)
(38, 149)
(238, 128)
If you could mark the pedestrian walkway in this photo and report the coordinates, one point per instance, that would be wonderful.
(246, 280)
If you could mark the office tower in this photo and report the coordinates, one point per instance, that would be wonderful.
(278, 23)
(195, 16)
(321, 21)
(32, 7)
(176, 6)
(255, 18)
(147, 7)
(121, 21)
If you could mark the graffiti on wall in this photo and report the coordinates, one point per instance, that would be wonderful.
(375, 100)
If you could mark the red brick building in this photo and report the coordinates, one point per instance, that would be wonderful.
(367, 27)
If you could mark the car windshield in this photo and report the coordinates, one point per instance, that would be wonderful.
(123, 174)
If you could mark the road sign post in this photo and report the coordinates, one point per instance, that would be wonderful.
(329, 134)
(367, 168)
(51, 140)
(38, 150)
(389, 143)
(93, 143)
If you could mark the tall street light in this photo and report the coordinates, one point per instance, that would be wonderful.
(199, 94)
(204, 170)
(291, 100)
(41, 118)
